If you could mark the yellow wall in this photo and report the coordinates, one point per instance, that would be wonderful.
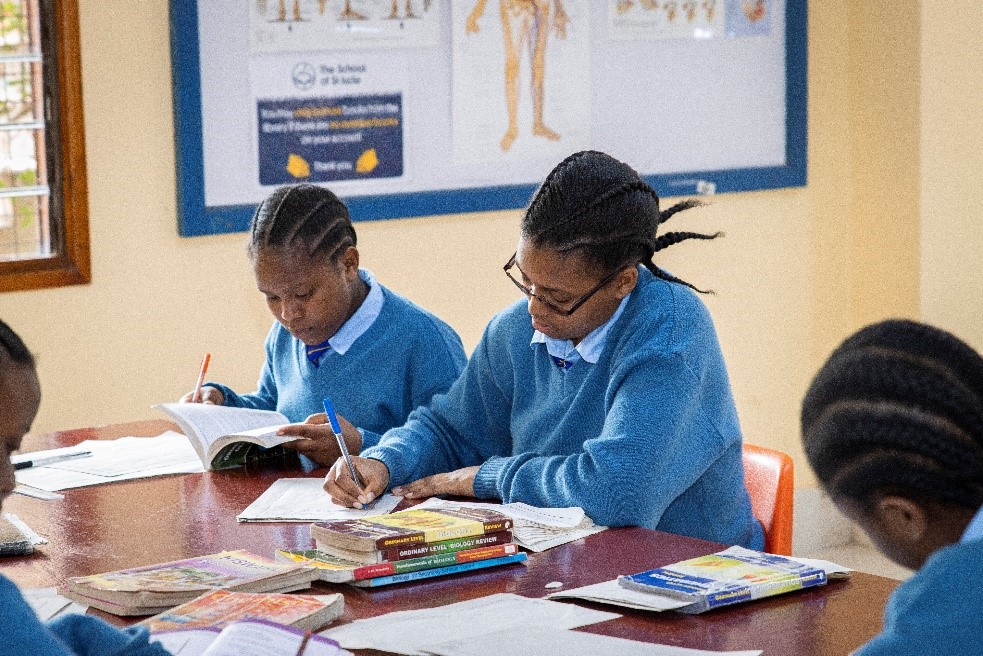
(798, 270)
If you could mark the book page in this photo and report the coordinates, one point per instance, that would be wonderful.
(262, 638)
(186, 642)
(209, 423)
(304, 500)
(609, 592)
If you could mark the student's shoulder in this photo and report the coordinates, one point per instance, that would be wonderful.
(397, 307)
(666, 317)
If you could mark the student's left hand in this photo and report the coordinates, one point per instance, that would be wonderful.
(318, 441)
(458, 483)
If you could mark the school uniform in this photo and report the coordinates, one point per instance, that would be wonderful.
(637, 425)
(388, 358)
(71, 635)
(939, 610)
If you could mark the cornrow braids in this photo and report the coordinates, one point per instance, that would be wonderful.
(593, 203)
(305, 217)
(898, 409)
(13, 349)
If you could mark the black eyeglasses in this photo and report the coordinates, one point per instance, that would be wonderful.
(552, 306)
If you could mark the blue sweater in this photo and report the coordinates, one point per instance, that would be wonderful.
(939, 610)
(71, 635)
(648, 436)
(405, 357)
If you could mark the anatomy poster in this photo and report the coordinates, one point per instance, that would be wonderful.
(520, 73)
(665, 19)
(309, 25)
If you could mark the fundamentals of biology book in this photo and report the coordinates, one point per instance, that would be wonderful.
(227, 437)
(727, 577)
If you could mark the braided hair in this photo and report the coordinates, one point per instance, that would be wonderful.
(593, 203)
(898, 409)
(12, 349)
(303, 216)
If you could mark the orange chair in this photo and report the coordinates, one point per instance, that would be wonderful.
(769, 477)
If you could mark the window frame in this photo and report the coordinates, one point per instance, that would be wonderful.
(65, 151)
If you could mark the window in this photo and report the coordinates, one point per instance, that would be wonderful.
(44, 226)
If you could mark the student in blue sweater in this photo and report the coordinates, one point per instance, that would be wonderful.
(23, 634)
(339, 333)
(893, 427)
(605, 388)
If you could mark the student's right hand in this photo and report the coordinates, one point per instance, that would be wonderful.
(343, 490)
(210, 395)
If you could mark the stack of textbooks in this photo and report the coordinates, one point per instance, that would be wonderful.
(155, 588)
(728, 577)
(408, 545)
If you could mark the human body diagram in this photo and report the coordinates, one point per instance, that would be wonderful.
(526, 26)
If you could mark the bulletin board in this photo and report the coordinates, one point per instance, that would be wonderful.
(422, 107)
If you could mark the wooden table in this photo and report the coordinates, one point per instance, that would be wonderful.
(141, 522)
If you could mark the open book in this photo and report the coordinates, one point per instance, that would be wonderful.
(246, 638)
(227, 437)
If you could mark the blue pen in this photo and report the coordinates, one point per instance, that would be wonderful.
(336, 429)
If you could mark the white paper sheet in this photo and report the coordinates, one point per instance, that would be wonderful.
(304, 500)
(536, 529)
(414, 631)
(116, 460)
(609, 592)
(551, 640)
(48, 604)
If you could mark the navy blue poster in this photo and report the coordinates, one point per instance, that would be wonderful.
(324, 139)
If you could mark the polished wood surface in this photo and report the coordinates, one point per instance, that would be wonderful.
(141, 522)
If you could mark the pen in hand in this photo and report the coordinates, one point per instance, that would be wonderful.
(336, 429)
(201, 377)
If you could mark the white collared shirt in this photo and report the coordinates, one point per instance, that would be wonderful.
(364, 316)
(589, 348)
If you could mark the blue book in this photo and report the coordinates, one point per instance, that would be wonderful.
(439, 571)
(728, 577)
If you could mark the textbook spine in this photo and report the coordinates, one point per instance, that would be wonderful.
(439, 571)
(446, 546)
(466, 531)
(434, 561)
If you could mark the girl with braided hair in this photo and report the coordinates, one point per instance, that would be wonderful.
(893, 427)
(338, 332)
(24, 634)
(604, 388)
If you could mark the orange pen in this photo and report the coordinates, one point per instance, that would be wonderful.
(201, 377)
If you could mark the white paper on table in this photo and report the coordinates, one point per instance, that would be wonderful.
(413, 631)
(304, 500)
(609, 592)
(536, 529)
(552, 640)
(36, 493)
(119, 460)
(249, 637)
(186, 642)
(48, 604)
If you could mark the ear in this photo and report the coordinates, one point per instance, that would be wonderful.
(625, 282)
(349, 261)
(904, 520)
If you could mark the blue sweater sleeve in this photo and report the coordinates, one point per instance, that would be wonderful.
(433, 439)
(72, 635)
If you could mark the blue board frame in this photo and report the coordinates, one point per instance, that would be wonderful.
(195, 219)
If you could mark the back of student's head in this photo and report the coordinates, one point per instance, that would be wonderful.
(13, 351)
(302, 217)
(593, 203)
(898, 410)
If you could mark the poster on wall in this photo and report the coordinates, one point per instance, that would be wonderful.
(422, 107)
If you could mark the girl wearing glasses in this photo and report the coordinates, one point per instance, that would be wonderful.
(605, 388)
(339, 332)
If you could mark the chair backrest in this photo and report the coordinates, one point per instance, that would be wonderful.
(769, 477)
